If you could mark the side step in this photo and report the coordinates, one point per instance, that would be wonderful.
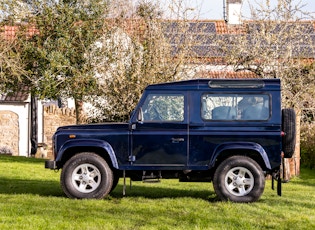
(151, 177)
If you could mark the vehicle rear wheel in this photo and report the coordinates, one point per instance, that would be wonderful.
(85, 176)
(239, 179)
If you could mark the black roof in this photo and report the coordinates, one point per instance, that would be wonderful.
(196, 84)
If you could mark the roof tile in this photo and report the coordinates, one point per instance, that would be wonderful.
(225, 74)
(221, 27)
(20, 95)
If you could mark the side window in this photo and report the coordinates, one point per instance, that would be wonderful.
(235, 107)
(163, 107)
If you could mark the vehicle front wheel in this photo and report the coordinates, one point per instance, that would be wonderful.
(85, 176)
(239, 179)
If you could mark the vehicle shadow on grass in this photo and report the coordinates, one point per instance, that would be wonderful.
(151, 192)
(35, 187)
(52, 188)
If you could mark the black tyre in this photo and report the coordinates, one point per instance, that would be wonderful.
(239, 179)
(85, 176)
(289, 129)
(115, 180)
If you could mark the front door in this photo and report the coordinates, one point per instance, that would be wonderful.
(160, 137)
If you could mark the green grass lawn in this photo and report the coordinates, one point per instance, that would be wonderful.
(31, 198)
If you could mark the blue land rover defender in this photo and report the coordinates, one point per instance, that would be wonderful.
(231, 132)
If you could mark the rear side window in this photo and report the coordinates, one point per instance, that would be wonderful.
(248, 107)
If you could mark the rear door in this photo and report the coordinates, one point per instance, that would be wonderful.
(230, 119)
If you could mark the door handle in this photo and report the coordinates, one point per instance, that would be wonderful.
(177, 140)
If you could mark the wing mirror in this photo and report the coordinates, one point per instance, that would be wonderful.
(140, 115)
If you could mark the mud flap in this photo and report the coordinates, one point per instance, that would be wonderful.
(124, 184)
(276, 176)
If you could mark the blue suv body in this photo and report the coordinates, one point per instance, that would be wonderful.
(229, 132)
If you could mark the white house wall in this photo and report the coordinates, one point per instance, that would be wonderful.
(40, 122)
(22, 110)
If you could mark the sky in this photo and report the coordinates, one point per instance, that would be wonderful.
(213, 9)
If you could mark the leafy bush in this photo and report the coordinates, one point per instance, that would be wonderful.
(5, 150)
(308, 145)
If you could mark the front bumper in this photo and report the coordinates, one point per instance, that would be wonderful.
(51, 164)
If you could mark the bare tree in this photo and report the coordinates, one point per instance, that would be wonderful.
(276, 43)
(108, 58)
(132, 54)
(65, 59)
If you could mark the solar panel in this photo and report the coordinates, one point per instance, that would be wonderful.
(202, 27)
(190, 27)
(269, 27)
(203, 41)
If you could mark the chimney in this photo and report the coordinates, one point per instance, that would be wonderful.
(233, 11)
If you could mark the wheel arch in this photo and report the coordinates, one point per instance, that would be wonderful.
(101, 148)
(249, 149)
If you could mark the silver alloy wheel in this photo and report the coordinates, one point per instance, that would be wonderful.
(239, 181)
(86, 178)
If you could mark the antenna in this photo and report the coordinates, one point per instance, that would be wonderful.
(225, 11)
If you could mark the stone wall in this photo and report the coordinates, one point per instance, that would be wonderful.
(53, 118)
(9, 133)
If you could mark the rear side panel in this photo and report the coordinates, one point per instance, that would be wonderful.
(226, 122)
